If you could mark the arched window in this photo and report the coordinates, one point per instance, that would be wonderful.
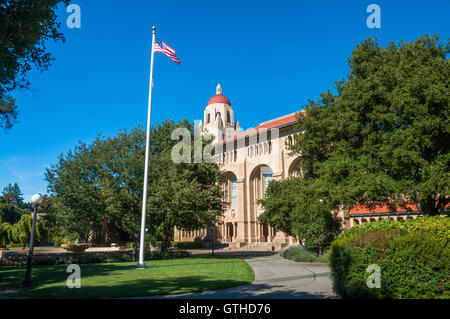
(229, 183)
(261, 178)
(235, 155)
(209, 118)
(228, 117)
(270, 147)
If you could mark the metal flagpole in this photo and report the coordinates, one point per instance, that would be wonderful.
(141, 263)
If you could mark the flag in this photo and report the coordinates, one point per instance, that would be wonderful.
(164, 48)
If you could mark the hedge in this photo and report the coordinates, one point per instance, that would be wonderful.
(189, 245)
(87, 257)
(176, 244)
(413, 256)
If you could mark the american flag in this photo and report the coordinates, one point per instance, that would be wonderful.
(160, 46)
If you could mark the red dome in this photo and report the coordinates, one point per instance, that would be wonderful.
(219, 98)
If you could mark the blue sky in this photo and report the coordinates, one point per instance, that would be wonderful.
(269, 56)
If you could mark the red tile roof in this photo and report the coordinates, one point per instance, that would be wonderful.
(219, 98)
(382, 209)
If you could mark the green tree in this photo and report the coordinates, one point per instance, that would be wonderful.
(294, 206)
(25, 28)
(12, 205)
(5, 234)
(21, 231)
(13, 194)
(384, 136)
(98, 187)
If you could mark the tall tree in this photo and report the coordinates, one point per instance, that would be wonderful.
(384, 136)
(12, 194)
(295, 207)
(98, 187)
(12, 206)
(25, 28)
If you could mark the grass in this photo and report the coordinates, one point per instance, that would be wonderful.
(300, 254)
(113, 280)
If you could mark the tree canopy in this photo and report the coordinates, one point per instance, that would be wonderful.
(294, 206)
(384, 135)
(25, 28)
(97, 188)
(12, 205)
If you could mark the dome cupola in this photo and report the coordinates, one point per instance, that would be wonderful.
(219, 97)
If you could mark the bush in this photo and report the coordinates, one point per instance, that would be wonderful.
(413, 257)
(57, 241)
(189, 245)
(301, 254)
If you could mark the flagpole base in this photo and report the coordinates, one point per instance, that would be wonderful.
(142, 266)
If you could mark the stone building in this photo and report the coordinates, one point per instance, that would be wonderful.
(249, 160)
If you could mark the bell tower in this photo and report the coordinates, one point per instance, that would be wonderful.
(218, 119)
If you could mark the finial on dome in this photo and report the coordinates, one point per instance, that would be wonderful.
(218, 89)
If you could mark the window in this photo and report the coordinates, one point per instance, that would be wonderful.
(267, 179)
(209, 118)
(234, 191)
(228, 117)
(230, 189)
(260, 181)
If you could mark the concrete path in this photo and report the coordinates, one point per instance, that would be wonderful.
(275, 277)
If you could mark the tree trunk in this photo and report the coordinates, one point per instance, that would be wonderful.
(135, 250)
(165, 240)
(432, 206)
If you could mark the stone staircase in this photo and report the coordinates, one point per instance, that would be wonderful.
(263, 246)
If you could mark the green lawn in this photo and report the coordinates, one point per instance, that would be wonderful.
(174, 276)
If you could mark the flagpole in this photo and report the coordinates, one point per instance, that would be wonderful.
(141, 263)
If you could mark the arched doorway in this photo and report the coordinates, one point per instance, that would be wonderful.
(228, 228)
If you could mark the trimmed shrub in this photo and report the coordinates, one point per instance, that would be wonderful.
(189, 245)
(413, 256)
(301, 254)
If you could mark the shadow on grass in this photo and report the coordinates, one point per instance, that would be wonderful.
(123, 280)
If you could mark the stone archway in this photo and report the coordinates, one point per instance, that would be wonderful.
(294, 169)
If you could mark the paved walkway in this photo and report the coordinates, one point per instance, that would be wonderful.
(275, 277)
